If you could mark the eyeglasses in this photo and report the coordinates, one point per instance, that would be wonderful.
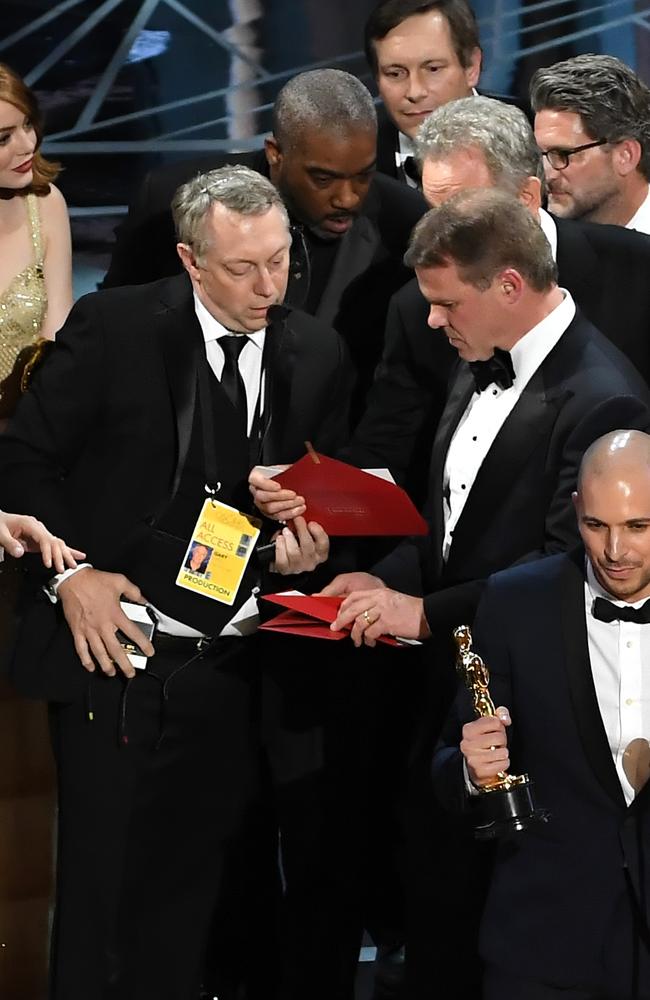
(559, 158)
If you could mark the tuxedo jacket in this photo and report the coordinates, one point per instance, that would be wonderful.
(519, 507)
(563, 897)
(605, 268)
(388, 135)
(367, 270)
(97, 446)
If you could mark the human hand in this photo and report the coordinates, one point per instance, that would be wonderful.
(20, 533)
(347, 583)
(381, 612)
(302, 552)
(272, 500)
(485, 746)
(91, 605)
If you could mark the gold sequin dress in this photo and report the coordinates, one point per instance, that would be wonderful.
(24, 302)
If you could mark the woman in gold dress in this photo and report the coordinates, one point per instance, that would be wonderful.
(35, 254)
(35, 297)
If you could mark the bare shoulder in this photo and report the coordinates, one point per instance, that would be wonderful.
(53, 207)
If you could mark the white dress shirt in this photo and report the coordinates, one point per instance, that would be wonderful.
(244, 621)
(487, 412)
(641, 218)
(547, 222)
(250, 359)
(619, 653)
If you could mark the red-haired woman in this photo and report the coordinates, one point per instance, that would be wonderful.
(35, 255)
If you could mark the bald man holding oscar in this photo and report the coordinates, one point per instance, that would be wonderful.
(567, 643)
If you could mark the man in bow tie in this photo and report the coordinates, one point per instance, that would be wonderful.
(535, 385)
(566, 641)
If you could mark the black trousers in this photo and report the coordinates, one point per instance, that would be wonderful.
(151, 793)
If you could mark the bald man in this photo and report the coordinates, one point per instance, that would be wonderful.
(567, 644)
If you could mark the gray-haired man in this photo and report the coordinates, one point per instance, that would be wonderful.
(472, 143)
(592, 123)
(152, 394)
(351, 225)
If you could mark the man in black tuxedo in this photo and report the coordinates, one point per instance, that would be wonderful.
(484, 143)
(536, 384)
(155, 398)
(422, 53)
(350, 225)
(566, 643)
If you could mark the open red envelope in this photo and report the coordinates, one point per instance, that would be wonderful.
(347, 501)
(310, 615)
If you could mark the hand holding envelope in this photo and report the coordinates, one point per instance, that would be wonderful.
(344, 500)
(311, 616)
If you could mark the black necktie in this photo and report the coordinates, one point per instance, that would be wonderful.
(497, 369)
(412, 170)
(607, 611)
(231, 380)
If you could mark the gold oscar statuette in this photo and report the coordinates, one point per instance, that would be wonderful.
(505, 805)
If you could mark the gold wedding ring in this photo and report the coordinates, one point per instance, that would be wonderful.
(366, 617)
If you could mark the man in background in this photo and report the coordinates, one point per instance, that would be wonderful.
(592, 124)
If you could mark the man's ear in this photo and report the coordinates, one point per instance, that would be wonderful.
(530, 195)
(473, 70)
(626, 156)
(273, 154)
(188, 260)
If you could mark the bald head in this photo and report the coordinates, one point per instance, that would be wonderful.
(613, 508)
(616, 453)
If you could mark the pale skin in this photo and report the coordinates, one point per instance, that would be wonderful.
(21, 533)
(612, 505)
(485, 746)
(91, 604)
(17, 146)
(419, 70)
(602, 184)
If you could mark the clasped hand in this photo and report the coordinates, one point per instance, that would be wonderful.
(485, 746)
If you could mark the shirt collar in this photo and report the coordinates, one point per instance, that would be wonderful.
(532, 349)
(641, 218)
(212, 329)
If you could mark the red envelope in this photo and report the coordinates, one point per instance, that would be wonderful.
(347, 501)
(305, 616)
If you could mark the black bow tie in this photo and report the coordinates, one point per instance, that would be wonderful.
(497, 369)
(412, 170)
(607, 611)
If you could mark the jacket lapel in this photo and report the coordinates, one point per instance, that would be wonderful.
(460, 394)
(183, 347)
(280, 354)
(581, 683)
(356, 252)
(529, 421)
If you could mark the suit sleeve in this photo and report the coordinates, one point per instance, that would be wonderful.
(490, 641)
(51, 428)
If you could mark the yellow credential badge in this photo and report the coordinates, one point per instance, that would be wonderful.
(216, 558)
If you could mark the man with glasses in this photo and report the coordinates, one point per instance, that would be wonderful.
(592, 124)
